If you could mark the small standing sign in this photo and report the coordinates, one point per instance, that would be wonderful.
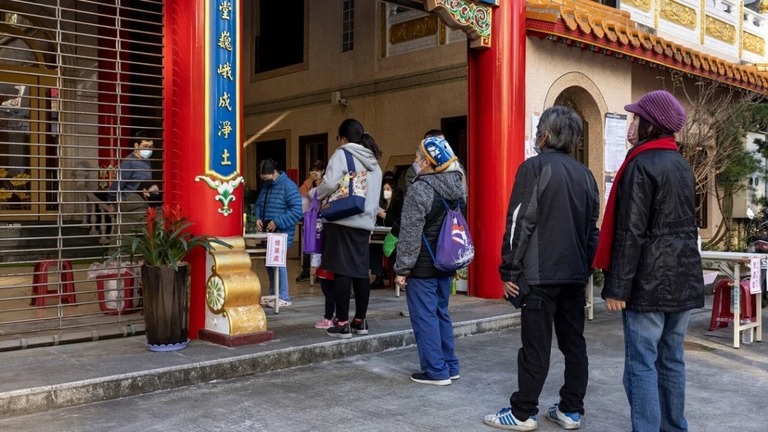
(277, 245)
(754, 280)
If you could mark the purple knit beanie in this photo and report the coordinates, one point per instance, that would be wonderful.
(661, 109)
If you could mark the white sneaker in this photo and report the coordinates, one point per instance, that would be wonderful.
(283, 303)
(566, 421)
(504, 419)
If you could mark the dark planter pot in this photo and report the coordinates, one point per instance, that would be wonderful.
(166, 306)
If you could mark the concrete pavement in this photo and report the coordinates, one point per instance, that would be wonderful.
(270, 386)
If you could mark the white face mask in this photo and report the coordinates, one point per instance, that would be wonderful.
(417, 167)
(387, 194)
(145, 154)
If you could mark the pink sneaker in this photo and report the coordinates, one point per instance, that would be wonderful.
(323, 323)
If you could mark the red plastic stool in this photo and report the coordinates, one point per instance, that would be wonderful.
(721, 306)
(122, 306)
(40, 289)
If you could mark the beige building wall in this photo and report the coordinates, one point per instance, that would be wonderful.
(397, 98)
(596, 83)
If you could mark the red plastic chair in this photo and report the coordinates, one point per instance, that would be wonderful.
(40, 289)
(721, 306)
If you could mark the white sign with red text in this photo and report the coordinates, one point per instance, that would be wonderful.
(277, 249)
(754, 280)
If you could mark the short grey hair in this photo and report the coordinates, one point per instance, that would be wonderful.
(563, 127)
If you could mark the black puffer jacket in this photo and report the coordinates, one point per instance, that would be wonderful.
(655, 261)
(424, 211)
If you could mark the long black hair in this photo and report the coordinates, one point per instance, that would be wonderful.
(354, 132)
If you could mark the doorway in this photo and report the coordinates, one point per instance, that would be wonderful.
(312, 148)
(28, 160)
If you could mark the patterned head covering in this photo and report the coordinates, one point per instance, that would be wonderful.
(438, 152)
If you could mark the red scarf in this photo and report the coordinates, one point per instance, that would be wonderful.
(605, 244)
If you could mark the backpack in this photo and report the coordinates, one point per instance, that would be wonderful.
(455, 249)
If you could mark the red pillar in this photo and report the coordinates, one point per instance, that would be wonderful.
(184, 140)
(496, 140)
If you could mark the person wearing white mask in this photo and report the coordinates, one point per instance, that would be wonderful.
(133, 170)
(390, 207)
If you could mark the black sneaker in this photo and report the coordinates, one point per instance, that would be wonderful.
(303, 277)
(423, 378)
(339, 331)
(377, 284)
(359, 326)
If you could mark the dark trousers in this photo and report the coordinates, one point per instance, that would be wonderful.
(375, 262)
(330, 298)
(543, 305)
(306, 259)
(342, 288)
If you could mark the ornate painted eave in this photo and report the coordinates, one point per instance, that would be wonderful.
(472, 17)
(602, 29)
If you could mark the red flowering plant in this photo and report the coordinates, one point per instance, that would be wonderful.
(165, 240)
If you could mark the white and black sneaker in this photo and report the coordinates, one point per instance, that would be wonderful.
(423, 378)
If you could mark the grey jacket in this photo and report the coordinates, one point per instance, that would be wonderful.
(423, 212)
(335, 171)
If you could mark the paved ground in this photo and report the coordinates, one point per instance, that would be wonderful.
(726, 391)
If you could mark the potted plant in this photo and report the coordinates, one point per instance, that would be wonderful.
(163, 243)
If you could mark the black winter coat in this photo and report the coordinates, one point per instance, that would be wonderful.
(655, 261)
(551, 229)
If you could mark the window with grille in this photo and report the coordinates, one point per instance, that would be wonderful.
(347, 25)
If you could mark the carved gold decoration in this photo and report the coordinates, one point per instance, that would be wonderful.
(763, 6)
(472, 18)
(233, 290)
(720, 30)
(413, 29)
(680, 14)
(754, 44)
(640, 4)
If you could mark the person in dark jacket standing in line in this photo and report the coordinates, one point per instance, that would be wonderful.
(438, 174)
(546, 252)
(277, 209)
(648, 246)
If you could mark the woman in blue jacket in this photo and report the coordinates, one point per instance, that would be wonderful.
(277, 209)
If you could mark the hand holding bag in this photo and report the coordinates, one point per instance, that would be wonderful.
(313, 229)
(349, 198)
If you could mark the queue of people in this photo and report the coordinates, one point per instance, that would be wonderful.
(555, 202)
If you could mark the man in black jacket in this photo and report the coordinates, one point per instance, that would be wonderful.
(648, 245)
(546, 252)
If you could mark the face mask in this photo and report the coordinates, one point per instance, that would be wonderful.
(267, 182)
(387, 194)
(145, 154)
(155, 197)
(632, 133)
(417, 167)
(537, 149)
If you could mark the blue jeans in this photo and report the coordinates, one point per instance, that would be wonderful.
(654, 370)
(432, 327)
(283, 282)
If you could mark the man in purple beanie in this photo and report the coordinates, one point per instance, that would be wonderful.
(648, 249)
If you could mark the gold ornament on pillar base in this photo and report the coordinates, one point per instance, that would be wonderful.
(763, 6)
(233, 316)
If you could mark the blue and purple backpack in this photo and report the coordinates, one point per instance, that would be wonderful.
(455, 249)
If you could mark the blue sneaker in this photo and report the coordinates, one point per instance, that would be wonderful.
(504, 419)
(565, 420)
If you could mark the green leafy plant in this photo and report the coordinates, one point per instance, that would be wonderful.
(166, 241)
